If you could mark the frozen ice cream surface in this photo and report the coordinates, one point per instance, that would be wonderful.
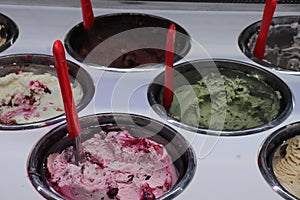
(286, 165)
(117, 166)
(222, 102)
(127, 49)
(283, 46)
(26, 97)
(3, 34)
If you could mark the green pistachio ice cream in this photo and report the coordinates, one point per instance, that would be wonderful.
(229, 101)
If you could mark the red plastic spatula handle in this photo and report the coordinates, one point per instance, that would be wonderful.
(169, 71)
(87, 14)
(65, 86)
(259, 49)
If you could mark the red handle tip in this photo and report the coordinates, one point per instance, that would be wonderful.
(87, 14)
(169, 71)
(259, 49)
(66, 91)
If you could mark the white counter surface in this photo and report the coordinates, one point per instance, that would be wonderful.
(227, 166)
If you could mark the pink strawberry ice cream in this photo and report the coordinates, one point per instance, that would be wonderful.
(117, 166)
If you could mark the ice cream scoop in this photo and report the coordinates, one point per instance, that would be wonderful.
(169, 82)
(87, 14)
(69, 104)
(261, 42)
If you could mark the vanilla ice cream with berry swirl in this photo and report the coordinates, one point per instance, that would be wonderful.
(26, 97)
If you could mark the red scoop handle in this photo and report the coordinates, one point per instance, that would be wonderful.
(65, 86)
(169, 71)
(259, 49)
(87, 14)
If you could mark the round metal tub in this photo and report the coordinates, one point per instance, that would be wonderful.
(41, 64)
(125, 42)
(8, 32)
(56, 140)
(283, 44)
(256, 79)
(271, 151)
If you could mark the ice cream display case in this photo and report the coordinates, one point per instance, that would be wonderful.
(117, 64)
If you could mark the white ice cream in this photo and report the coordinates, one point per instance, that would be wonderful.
(26, 97)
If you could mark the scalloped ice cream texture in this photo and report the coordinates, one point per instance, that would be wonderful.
(286, 165)
(27, 97)
(117, 166)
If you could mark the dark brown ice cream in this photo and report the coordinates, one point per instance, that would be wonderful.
(125, 40)
(8, 32)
